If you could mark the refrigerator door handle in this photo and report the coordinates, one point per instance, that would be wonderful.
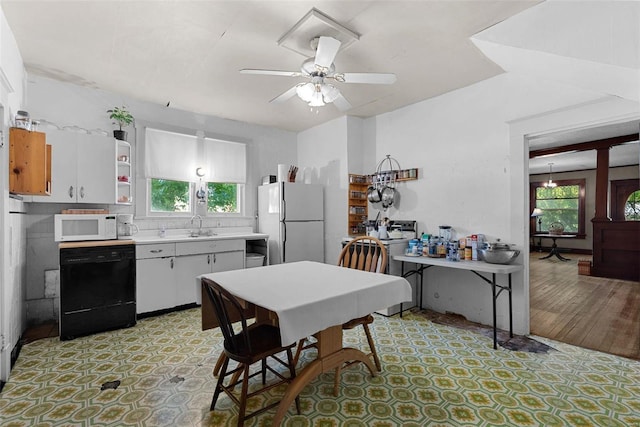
(283, 226)
(283, 210)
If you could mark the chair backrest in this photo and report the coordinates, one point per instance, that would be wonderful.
(364, 253)
(227, 309)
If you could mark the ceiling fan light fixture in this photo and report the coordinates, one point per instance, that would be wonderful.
(316, 100)
(329, 93)
(305, 91)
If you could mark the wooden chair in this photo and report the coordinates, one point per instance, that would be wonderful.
(251, 344)
(367, 254)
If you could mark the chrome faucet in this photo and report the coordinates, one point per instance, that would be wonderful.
(199, 218)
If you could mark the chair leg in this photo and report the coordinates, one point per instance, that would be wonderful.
(372, 346)
(234, 378)
(221, 359)
(264, 371)
(243, 396)
(292, 374)
(223, 372)
(299, 349)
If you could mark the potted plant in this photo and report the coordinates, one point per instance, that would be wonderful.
(122, 117)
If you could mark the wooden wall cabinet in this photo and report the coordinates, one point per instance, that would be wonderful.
(29, 163)
(358, 207)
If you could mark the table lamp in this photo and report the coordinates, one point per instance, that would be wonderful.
(537, 213)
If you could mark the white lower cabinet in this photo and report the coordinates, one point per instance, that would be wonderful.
(154, 282)
(166, 272)
(187, 268)
(155, 277)
(225, 261)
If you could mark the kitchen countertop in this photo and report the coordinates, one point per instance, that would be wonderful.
(174, 236)
(94, 243)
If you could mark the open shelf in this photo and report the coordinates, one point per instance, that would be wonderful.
(358, 209)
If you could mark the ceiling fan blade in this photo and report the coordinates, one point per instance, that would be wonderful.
(285, 96)
(341, 103)
(370, 78)
(272, 72)
(326, 52)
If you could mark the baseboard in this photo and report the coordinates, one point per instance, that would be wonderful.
(167, 310)
(14, 358)
(16, 352)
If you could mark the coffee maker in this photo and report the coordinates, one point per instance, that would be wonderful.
(125, 225)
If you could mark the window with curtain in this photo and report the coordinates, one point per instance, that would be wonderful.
(564, 204)
(225, 166)
(171, 160)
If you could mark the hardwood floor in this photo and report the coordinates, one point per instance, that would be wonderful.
(590, 312)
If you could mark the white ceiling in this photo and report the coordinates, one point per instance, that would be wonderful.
(592, 45)
(188, 53)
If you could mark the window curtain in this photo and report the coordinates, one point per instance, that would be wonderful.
(170, 155)
(224, 161)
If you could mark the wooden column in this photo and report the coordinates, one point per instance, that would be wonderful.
(602, 184)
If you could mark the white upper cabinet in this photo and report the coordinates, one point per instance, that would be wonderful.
(83, 168)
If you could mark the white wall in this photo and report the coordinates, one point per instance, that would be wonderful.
(332, 151)
(471, 176)
(70, 105)
(323, 149)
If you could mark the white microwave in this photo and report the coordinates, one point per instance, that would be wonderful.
(75, 227)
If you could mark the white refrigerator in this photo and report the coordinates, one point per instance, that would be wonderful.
(292, 214)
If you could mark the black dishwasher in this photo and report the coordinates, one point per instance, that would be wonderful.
(97, 288)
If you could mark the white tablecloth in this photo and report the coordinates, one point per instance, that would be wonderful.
(310, 296)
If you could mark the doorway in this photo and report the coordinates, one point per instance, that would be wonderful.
(592, 312)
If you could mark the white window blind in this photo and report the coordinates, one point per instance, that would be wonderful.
(176, 156)
(170, 155)
(225, 161)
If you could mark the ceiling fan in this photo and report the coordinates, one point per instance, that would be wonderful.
(317, 92)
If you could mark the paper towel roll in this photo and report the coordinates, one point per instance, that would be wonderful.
(283, 173)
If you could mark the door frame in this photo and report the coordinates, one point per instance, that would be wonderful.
(5, 347)
(597, 113)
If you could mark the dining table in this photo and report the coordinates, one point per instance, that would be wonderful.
(310, 298)
(555, 251)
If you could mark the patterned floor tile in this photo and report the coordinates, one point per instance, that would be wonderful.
(158, 373)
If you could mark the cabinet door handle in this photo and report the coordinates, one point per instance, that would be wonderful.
(172, 263)
(71, 191)
(156, 251)
(214, 258)
(208, 259)
(82, 192)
